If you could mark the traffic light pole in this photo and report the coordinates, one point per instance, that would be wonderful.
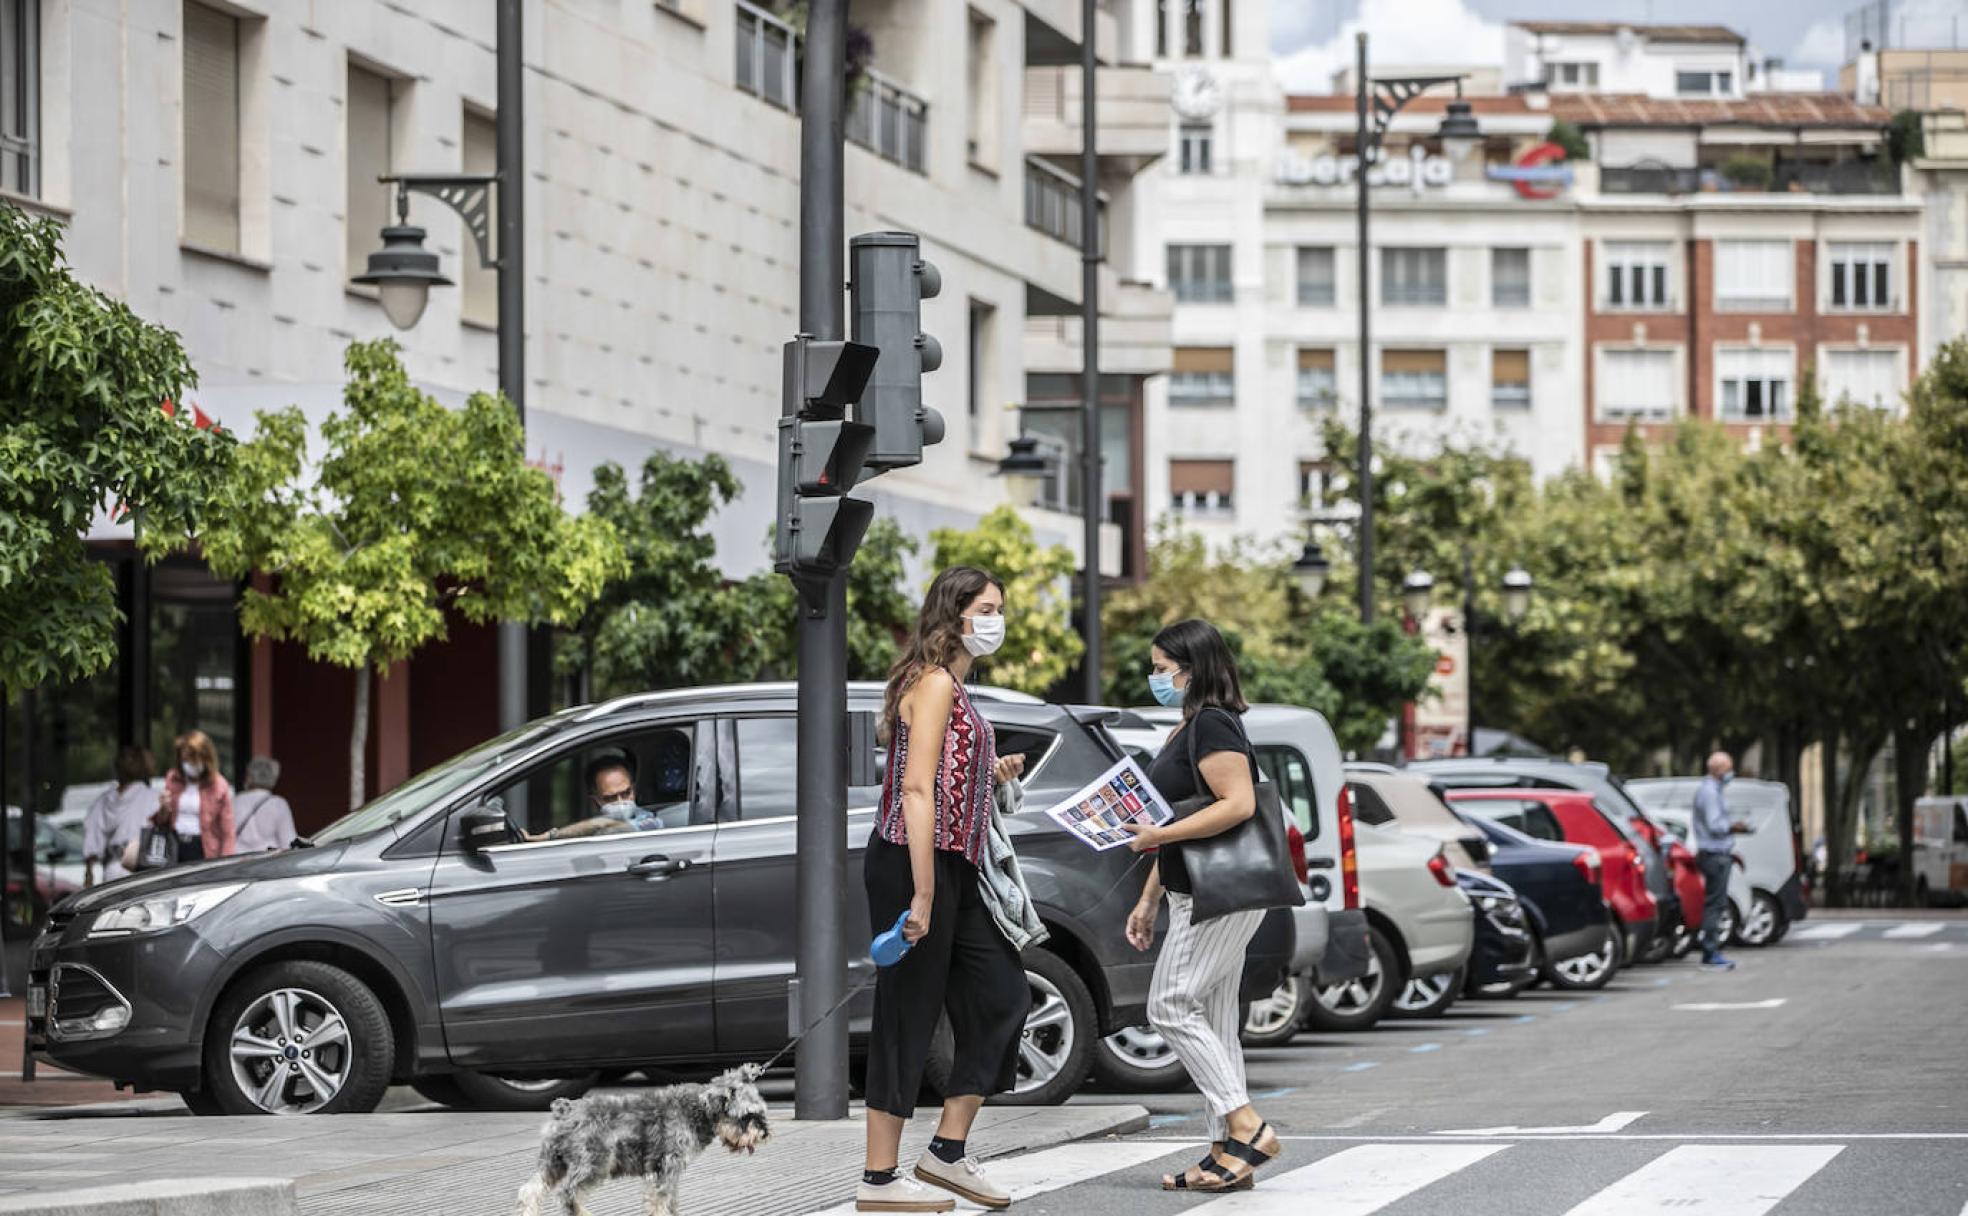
(1090, 488)
(820, 1064)
(509, 143)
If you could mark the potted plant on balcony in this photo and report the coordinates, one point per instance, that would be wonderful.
(1746, 172)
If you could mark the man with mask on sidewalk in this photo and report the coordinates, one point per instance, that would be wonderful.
(1715, 837)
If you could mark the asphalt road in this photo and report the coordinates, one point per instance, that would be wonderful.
(1827, 1075)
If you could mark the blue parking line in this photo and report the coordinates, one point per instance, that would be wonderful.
(1662, 982)
(1523, 1018)
(1566, 1007)
(1473, 1031)
(1277, 1093)
(1362, 1066)
(1166, 1120)
(1418, 1048)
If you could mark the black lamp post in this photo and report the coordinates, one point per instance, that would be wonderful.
(1418, 589)
(403, 272)
(1458, 126)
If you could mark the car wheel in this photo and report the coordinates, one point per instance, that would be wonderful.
(1660, 947)
(1275, 1019)
(1428, 996)
(441, 1089)
(484, 1091)
(1055, 1046)
(1138, 1060)
(298, 1038)
(1685, 940)
(1503, 990)
(1729, 922)
(1764, 925)
(1357, 1004)
(1592, 971)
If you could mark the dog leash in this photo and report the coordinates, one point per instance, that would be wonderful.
(886, 950)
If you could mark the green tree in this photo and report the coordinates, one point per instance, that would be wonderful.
(1570, 138)
(879, 612)
(1040, 645)
(671, 619)
(415, 511)
(87, 423)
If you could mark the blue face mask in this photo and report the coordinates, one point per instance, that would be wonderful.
(1162, 686)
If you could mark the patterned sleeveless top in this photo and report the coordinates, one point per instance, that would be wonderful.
(964, 783)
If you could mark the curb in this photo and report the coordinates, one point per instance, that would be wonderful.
(1123, 1121)
(164, 1197)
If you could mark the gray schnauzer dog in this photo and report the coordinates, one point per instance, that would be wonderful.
(651, 1136)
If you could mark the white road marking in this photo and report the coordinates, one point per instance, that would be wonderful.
(1711, 1006)
(1701, 1179)
(1353, 1182)
(1827, 932)
(1929, 929)
(1054, 1168)
(1617, 1121)
(1683, 1137)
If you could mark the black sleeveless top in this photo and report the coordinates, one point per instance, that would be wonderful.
(1216, 730)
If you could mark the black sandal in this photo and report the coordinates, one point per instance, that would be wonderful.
(1226, 1180)
(1241, 1172)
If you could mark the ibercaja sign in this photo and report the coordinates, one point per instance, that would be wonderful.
(1534, 175)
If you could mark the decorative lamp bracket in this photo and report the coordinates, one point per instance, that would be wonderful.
(468, 194)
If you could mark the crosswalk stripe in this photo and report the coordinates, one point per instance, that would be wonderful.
(1825, 933)
(1916, 930)
(1053, 1168)
(1354, 1182)
(1711, 1180)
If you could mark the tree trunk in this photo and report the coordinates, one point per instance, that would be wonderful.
(1911, 743)
(359, 739)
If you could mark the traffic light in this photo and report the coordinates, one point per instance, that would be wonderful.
(821, 457)
(888, 281)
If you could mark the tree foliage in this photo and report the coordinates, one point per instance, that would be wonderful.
(880, 612)
(1571, 139)
(1041, 645)
(413, 511)
(84, 427)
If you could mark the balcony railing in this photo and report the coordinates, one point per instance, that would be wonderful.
(1833, 177)
(889, 121)
(1838, 177)
(1648, 179)
(881, 116)
(1052, 204)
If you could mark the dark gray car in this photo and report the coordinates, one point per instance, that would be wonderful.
(513, 971)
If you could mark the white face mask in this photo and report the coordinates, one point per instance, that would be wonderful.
(192, 769)
(985, 636)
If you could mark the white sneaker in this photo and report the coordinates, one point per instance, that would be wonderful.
(966, 1179)
(901, 1194)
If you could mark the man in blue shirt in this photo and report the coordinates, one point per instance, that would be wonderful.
(1714, 849)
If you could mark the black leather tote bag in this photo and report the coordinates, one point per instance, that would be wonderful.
(1247, 867)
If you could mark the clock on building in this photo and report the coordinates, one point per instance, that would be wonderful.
(1196, 95)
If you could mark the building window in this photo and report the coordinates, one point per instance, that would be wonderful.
(1753, 276)
(1562, 76)
(1636, 385)
(1200, 274)
(1161, 28)
(1315, 478)
(211, 129)
(1704, 84)
(1510, 379)
(1203, 375)
(1223, 8)
(1414, 379)
(20, 96)
(369, 113)
(1864, 377)
(1192, 28)
(982, 318)
(478, 284)
(1202, 485)
(1194, 148)
(1318, 385)
(981, 136)
(1862, 275)
(1636, 274)
(1755, 384)
(1510, 278)
(1315, 276)
(1414, 276)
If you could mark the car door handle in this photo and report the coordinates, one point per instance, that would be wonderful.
(1321, 863)
(658, 866)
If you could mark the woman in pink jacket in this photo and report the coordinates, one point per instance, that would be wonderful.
(197, 802)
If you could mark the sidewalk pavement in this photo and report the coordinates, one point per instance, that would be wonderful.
(452, 1163)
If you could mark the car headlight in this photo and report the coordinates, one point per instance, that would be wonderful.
(165, 911)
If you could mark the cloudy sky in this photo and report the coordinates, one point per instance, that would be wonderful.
(1311, 38)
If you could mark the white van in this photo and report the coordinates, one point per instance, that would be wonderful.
(1940, 849)
(1769, 850)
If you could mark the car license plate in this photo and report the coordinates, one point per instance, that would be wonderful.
(37, 1002)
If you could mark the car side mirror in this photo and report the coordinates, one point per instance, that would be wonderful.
(483, 826)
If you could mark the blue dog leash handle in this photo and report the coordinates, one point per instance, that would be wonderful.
(888, 947)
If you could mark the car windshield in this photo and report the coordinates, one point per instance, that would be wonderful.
(434, 783)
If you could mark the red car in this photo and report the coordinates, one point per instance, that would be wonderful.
(1573, 817)
(1688, 885)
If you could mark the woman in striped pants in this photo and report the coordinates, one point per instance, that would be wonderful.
(1193, 999)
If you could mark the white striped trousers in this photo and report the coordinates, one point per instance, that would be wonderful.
(1193, 1002)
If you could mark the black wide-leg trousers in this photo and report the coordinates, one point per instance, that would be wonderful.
(963, 966)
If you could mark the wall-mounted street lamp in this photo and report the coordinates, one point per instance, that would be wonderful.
(1024, 470)
(1311, 569)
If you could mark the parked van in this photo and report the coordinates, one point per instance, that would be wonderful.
(1940, 849)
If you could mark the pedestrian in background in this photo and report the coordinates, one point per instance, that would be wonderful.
(1192, 999)
(931, 842)
(1715, 837)
(116, 816)
(262, 819)
(197, 802)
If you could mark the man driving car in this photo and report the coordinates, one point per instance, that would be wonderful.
(611, 790)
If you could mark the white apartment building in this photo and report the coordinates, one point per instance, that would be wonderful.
(215, 164)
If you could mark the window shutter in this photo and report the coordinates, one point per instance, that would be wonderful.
(1510, 366)
(211, 128)
(1315, 360)
(368, 114)
(1414, 362)
(1204, 359)
(1202, 477)
(479, 285)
